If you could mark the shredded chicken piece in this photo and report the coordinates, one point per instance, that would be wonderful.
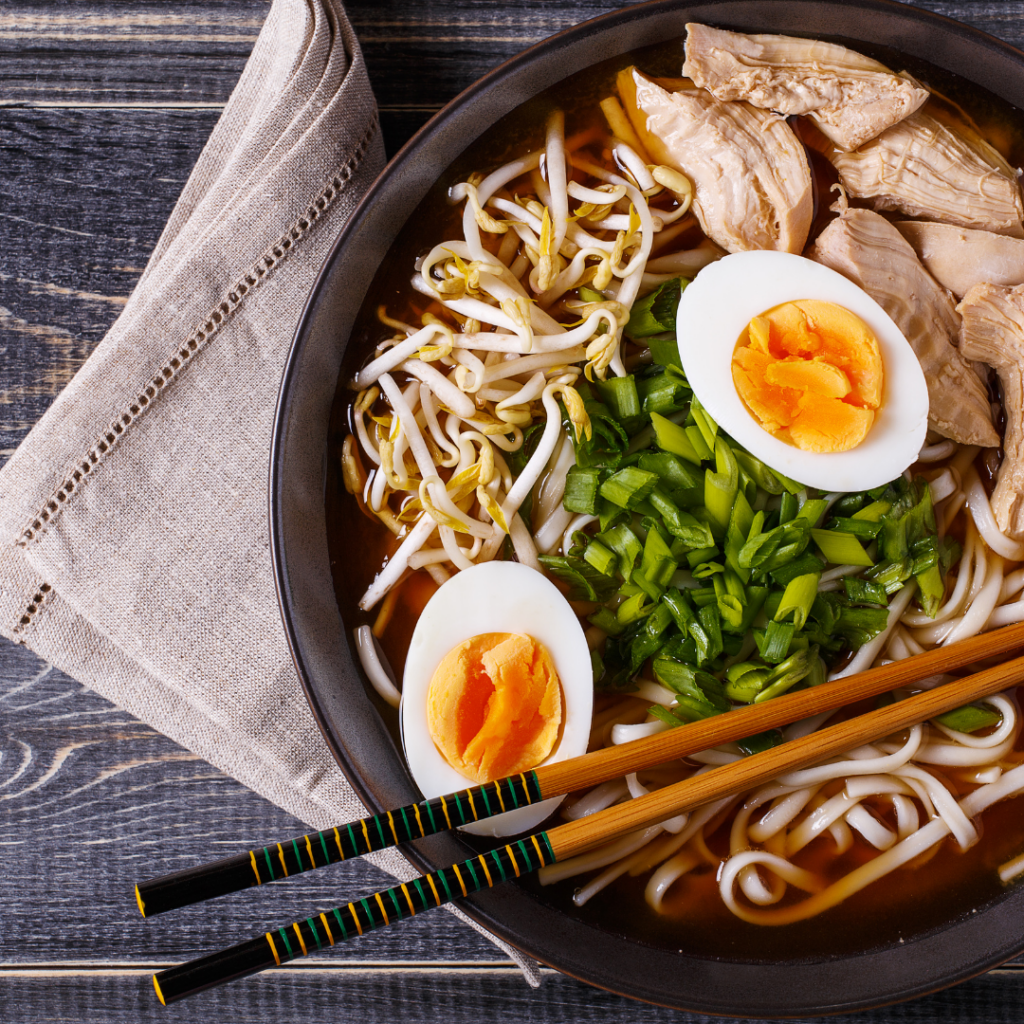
(993, 331)
(851, 97)
(864, 247)
(752, 182)
(959, 258)
(927, 168)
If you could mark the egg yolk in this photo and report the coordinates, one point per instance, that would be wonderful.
(810, 373)
(494, 707)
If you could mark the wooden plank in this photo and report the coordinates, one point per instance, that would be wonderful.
(94, 801)
(420, 995)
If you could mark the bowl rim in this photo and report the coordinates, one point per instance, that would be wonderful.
(966, 947)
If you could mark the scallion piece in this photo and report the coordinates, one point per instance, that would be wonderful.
(841, 548)
(665, 352)
(673, 438)
(675, 474)
(624, 542)
(581, 486)
(720, 488)
(601, 558)
(777, 638)
(873, 512)
(760, 742)
(704, 423)
(606, 620)
(865, 529)
(860, 591)
(633, 609)
(628, 487)
(619, 394)
(794, 669)
(812, 510)
(656, 313)
(797, 599)
(970, 718)
(700, 446)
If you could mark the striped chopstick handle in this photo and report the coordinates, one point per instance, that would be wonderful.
(383, 908)
(317, 850)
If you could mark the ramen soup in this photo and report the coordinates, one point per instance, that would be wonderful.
(729, 350)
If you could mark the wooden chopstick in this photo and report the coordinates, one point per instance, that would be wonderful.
(574, 837)
(304, 853)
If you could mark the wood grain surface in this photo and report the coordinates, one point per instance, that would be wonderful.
(104, 107)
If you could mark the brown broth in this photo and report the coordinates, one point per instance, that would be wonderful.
(908, 902)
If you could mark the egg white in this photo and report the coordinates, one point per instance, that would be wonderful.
(713, 312)
(495, 597)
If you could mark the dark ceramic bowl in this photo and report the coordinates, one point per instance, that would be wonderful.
(350, 715)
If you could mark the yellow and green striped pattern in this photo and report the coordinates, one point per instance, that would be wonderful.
(409, 898)
(346, 922)
(393, 827)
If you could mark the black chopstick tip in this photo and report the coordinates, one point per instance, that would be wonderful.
(142, 909)
(159, 994)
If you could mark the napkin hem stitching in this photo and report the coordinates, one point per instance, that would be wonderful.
(43, 593)
(272, 257)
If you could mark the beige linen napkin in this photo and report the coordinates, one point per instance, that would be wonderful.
(134, 549)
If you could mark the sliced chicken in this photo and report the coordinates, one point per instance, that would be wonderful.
(867, 249)
(850, 96)
(959, 258)
(751, 179)
(934, 170)
(993, 331)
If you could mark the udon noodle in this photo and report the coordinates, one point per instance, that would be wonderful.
(460, 447)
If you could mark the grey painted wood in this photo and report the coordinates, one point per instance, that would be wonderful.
(104, 107)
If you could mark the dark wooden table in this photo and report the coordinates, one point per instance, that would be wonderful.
(104, 107)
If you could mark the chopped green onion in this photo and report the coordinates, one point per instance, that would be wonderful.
(768, 551)
(675, 474)
(585, 582)
(665, 392)
(792, 671)
(970, 718)
(700, 446)
(841, 548)
(581, 487)
(623, 541)
(860, 591)
(812, 510)
(606, 620)
(798, 598)
(720, 487)
(690, 682)
(744, 681)
(665, 352)
(603, 560)
(673, 438)
(620, 395)
(656, 313)
(873, 512)
(633, 609)
(705, 424)
(628, 487)
(776, 640)
(789, 508)
(865, 529)
(806, 563)
(760, 742)
(891, 575)
(859, 625)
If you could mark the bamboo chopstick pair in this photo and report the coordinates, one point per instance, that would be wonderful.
(300, 854)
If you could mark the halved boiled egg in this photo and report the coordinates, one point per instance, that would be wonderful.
(804, 369)
(498, 680)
